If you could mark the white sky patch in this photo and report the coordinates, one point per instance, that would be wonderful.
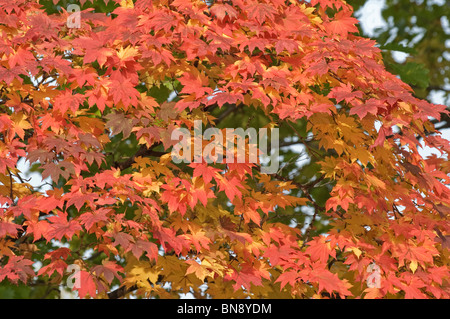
(303, 158)
(33, 178)
(378, 125)
(426, 151)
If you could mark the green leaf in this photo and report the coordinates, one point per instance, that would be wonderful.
(398, 47)
(412, 73)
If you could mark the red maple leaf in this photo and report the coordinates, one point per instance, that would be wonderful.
(362, 109)
(329, 282)
(319, 67)
(320, 249)
(17, 268)
(230, 186)
(61, 227)
(223, 10)
(88, 219)
(261, 12)
(124, 91)
(109, 269)
(288, 277)
(8, 229)
(342, 24)
(225, 97)
(197, 85)
(344, 92)
(207, 172)
(94, 48)
(162, 20)
(144, 246)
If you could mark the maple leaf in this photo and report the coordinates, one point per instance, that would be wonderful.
(253, 43)
(78, 199)
(118, 123)
(261, 12)
(124, 91)
(20, 124)
(199, 240)
(17, 268)
(89, 219)
(61, 227)
(223, 10)
(344, 92)
(320, 67)
(142, 245)
(331, 282)
(21, 57)
(9, 229)
(230, 186)
(167, 111)
(320, 249)
(239, 236)
(8, 75)
(412, 289)
(67, 100)
(225, 97)
(286, 44)
(362, 109)
(27, 207)
(247, 276)
(123, 239)
(38, 229)
(288, 277)
(162, 20)
(85, 75)
(55, 170)
(373, 293)
(109, 269)
(198, 269)
(58, 265)
(204, 170)
(141, 273)
(94, 47)
(197, 85)
(58, 253)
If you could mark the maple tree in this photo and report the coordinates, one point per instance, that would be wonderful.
(92, 110)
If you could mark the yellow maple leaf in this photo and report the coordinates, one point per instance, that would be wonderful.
(413, 265)
(200, 271)
(141, 273)
(20, 123)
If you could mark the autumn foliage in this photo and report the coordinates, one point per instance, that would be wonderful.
(92, 109)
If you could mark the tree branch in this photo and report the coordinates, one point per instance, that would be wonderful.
(227, 112)
(121, 292)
